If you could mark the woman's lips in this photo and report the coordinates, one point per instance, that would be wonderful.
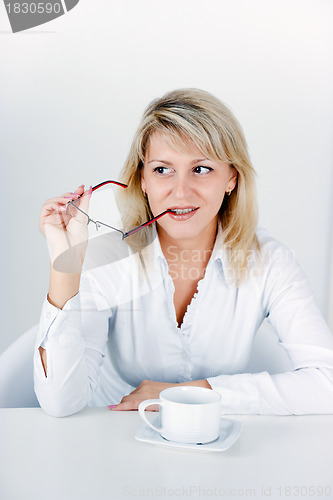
(184, 216)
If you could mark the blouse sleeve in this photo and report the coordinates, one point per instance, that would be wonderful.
(74, 338)
(289, 306)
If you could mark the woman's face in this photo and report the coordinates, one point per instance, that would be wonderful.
(188, 183)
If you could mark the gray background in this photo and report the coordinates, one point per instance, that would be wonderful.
(72, 92)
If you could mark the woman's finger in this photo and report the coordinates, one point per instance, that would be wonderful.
(125, 406)
(80, 189)
(61, 210)
(68, 196)
(84, 200)
(53, 207)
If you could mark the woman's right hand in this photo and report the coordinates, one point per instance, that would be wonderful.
(64, 227)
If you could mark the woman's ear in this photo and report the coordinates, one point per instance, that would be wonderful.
(233, 178)
(143, 182)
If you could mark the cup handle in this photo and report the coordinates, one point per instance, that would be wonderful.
(143, 405)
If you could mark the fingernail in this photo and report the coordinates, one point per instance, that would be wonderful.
(112, 406)
(90, 191)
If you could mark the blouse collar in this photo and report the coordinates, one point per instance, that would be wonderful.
(219, 256)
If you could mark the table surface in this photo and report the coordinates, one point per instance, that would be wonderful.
(94, 455)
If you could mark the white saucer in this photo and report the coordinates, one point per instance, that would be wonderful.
(229, 433)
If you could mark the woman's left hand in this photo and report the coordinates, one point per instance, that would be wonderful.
(148, 389)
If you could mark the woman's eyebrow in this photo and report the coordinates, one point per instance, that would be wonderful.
(169, 163)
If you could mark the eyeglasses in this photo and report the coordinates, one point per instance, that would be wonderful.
(98, 224)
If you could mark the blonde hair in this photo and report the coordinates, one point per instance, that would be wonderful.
(193, 116)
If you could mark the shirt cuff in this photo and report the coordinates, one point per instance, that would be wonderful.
(48, 316)
(238, 392)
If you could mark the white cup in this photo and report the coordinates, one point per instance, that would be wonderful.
(187, 414)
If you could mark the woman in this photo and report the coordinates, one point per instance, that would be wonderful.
(195, 294)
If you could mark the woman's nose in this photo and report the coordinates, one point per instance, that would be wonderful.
(182, 187)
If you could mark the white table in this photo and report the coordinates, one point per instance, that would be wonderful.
(93, 455)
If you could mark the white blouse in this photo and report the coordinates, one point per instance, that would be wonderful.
(121, 329)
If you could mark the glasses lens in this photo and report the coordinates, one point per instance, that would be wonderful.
(103, 207)
(105, 238)
(106, 244)
(103, 214)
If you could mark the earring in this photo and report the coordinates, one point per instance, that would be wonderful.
(229, 192)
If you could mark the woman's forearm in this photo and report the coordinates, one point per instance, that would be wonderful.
(63, 286)
(197, 383)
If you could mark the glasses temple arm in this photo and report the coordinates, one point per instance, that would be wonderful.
(109, 182)
(129, 233)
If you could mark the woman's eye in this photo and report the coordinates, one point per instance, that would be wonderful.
(161, 170)
(202, 170)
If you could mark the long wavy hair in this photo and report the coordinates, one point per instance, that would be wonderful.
(193, 116)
